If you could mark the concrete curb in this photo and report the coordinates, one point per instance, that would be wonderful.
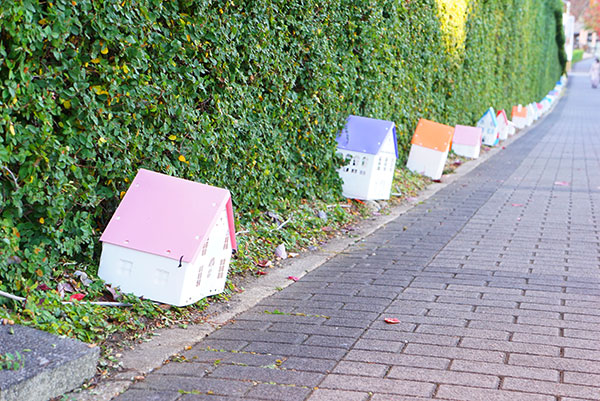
(52, 364)
(150, 355)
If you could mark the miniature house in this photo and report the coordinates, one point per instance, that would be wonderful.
(371, 147)
(540, 108)
(429, 149)
(519, 117)
(533, 111)
(467, 141)
(503, 126)
(511, 128)
(170, 240)
(489, 125)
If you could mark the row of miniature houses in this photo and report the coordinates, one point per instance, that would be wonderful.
(171, 240)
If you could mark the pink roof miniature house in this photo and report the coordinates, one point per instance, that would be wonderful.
(467, 141)
(371, 146)
(429, 148)
(170, 240)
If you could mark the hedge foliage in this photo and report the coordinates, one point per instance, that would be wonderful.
(244, 94)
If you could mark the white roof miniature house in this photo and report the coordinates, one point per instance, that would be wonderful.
(489, 125)
(371, 146)
(170, 240)
(533, 112)
(503, 126)
(467, 141)
(429, 149)
(519, 116)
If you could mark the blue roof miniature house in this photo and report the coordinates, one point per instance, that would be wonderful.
(371, 147)
(489, 124)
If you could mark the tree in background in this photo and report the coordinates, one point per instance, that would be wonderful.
(591, 16)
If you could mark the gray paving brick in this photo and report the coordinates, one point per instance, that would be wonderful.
(361, 369)
(510, 346)
(390, 358)
(308, 364)
(570, 364)
(337, 395)
(463, 393)
(265, 391)
(270, 373)
(163, 383)
(443, 376)
(553, 389)
(455, 353)
(500, 369)
(377, 385)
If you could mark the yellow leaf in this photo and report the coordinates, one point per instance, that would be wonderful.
(43, 21)
(125, 69)
(41, 220)
(172, 137)
(67, 104)
(39, 273)
(182, 158)
(101, 140)
(188, 38)
(95, 60)
(11, 129)
(104, 50)
(122, 194)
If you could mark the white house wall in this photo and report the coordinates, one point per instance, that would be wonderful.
(154, 277)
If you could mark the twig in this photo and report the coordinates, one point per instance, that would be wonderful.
(279, 227)
(11, 296)
(12, 175)
(242, 232)
(344, 206)
(100, 303)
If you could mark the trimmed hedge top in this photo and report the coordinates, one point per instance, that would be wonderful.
(248, 95)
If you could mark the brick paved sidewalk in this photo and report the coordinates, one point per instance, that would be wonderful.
(495, 280)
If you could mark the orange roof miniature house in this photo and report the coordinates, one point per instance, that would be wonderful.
(429, 150)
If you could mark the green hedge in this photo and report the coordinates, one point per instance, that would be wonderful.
(243, 94)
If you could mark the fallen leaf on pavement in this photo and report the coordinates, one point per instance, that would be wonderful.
(263, 263)
(293, 278)
(391, 320)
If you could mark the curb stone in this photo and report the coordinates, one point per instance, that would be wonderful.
(167, 342)
(52, 364)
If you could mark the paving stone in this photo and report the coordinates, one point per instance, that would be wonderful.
(500, 369)
(463, 393)
(337, 395)
(377, 385)
(274, 392)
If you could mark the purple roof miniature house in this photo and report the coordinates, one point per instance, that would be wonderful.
(372, 148)
(467, 141)
(170, 239)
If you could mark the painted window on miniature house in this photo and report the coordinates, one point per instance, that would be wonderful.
(205, 247)
(379, 163)
(221, 269)
(199, 279)
(385, 163)
(226, 243)
(211, 264)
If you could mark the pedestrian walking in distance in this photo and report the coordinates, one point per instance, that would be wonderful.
(595, 73)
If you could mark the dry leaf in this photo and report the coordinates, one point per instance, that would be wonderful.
(391, 320)
(293, 278)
